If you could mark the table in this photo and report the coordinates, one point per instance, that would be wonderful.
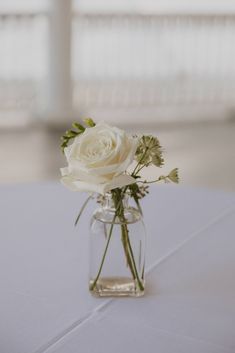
(45, 305)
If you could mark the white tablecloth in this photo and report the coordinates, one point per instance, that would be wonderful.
(45, 305)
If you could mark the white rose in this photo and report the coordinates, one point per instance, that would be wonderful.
(98, 158)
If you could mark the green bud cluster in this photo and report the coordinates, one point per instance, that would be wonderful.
(78, 129)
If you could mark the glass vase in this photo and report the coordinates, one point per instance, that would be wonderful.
(117, 250)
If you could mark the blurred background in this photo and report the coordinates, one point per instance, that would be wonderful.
(165, 67)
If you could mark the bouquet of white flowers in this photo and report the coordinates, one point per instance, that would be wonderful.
(98, 161)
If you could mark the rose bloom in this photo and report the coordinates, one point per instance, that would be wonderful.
(98, 158)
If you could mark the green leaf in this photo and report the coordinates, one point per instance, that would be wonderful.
(89, 122)
(71, 133)
(78, 126)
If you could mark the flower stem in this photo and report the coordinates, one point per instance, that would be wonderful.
(104, 255)
(126, 250)
(153, 181)
(82, 209)
(131, 262)
(127, 246)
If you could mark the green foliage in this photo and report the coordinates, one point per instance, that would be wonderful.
(78, 129)
(78, 126)
(89, 122)
(71, 134)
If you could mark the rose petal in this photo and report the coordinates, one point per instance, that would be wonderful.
(98, 158)
(117, 182)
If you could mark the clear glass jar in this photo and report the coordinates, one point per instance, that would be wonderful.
(117, 250)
